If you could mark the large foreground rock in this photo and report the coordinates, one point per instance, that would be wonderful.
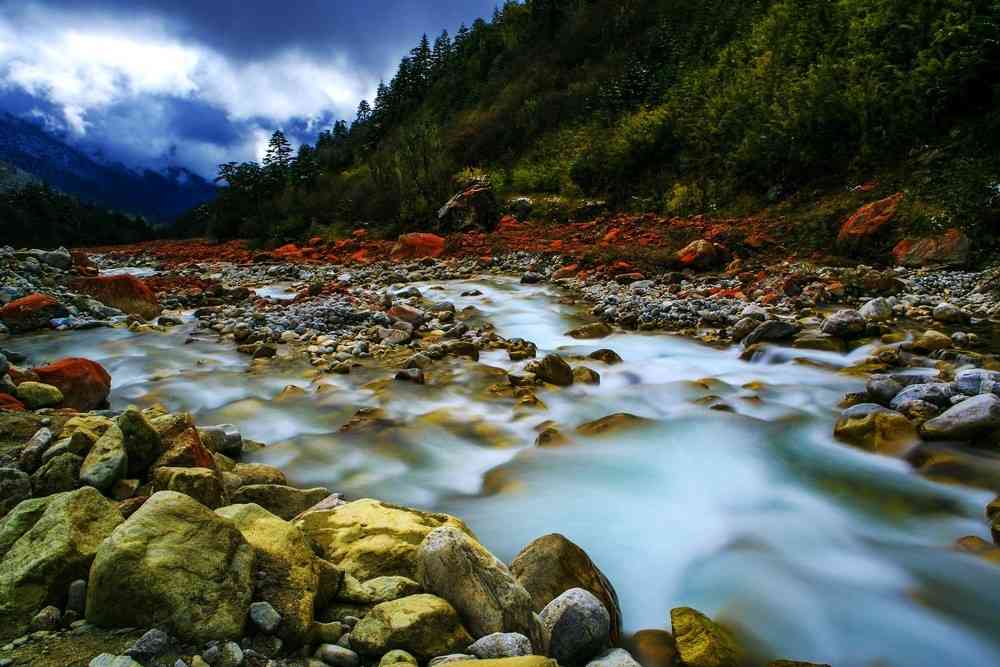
(424, 625)
(876, 429)
(974, 417)
(85, 384)
(577, 627)
(46, 544)
(459, 569)
(701, 642)
(174, 564)
(288, 574)
(551, 565)
(370, 539)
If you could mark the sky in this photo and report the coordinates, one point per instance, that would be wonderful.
(199, 82)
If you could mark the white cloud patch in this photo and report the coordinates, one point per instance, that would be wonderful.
(84, 65)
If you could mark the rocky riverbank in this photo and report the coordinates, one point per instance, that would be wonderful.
(143, 538)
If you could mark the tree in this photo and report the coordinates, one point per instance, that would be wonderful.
(279, 154)
(365, 110)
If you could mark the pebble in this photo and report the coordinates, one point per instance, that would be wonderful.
(265, 617)
(337, 656)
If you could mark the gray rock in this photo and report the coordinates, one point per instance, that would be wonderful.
(337, 656)
(60, 473)
(744, 328)
(77, 598)
(31, 455)
(15, 486)
(108, 660)
(882, 389)
(616, 657)
(945, 312)
(60, 259)
(531, 278)
(938, 393)
(106, 462)
(976, 381)
(265, 617)
(501, 645)
(577, 627)
(771, 331)
(226, 654)
(49, 618)
(151, 645)
(845, 324)
(454, 657)
(972, 418)
(877, 310)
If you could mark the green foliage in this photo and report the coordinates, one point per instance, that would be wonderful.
(692, 105)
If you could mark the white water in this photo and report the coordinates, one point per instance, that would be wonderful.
(756, 516)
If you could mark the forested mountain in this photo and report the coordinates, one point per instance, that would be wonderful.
(159, 197)
(675, 106)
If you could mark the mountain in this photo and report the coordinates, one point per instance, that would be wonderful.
(159, 197)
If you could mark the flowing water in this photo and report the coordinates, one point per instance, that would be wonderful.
(733, 499)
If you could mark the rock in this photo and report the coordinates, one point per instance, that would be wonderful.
(474, 208)
(487, 596)
(124, 292)
(412, 375)
(59, 474)
(291, 573)
(519, 349)
(84, 384)
(259, 473)
(610, 357)
(151, 645)
(552, 565)
(950, 248)
(973, 382)
(378, 590)
(584, 375)
(397, 658)
(45, 544)
(771, 331)
(701, 642)
(107, 462)
(60, 259)
(938, 393)
(30, 313)
(875, 429)
(614, 658)
(532, 278)
(501, 645)
(49, 618)
(744, 328)
(285, 502)
(416, 246)
(226, 654)
(337, 656)
(141, 441)
(109, 660)
(10, 404)
(945, 312)
(202, 484)
(454, 657)
(190, 568)
(654, 648)
(589, 331)
(577, 627)
(34, 450)
(370, 539)
(77, 597)
(973, 418)
(877, 310)
(932, 341)
(794, 663)
(264, 616)
(181, 444)
(845, 324)
(611, 423)
(36, 395)
(882, 389)
(700, 254)
(522, 661)
(423, 625)
(15, 486)
(554, 370)
(868, 221)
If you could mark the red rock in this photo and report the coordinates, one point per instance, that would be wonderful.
(948, 249)
(83, 264)
(126, 293)
(32, 312)
(315, 241)
(361, 257)
(359, 233)
(10, 404)
(183, 447)
(414, 246)
(700, 254)
(85, 384)
(629, 278)
(567, 271)
(407, 314)
(869, 220)
(508, 223)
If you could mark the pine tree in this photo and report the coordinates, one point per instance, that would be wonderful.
(441, 54)
(279, 153)
(364, 113)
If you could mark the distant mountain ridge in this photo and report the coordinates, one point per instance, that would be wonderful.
(159, 197)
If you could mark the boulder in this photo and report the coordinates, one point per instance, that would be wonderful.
(106, 462)
(338, 656)
(85, 384)
(584, 375)
(610, 357)
(423, 625)
(45, 545)
(369, 539)
(286, 502)
(288, 573)
(59, 474)
(700, 254)
(702, 642)
(377, 590)
(181, 444)
(616, 657)
(10, 404)
(259, 473)
(611, 424)
(950, 248)
(973, 418)
(32, 312)
(589, 331)
(15, 486)
(654, 648)
(577, 627)
(937, 393)
(932, 341)
(142, 442)
(489, 599)
(177, 565)
(124, 292)
(552, 565)
(37, 395)
(202, 484)
(875, 429)
(975, 381)
(946, 312)
(868, 221)
(845, 324)
(501, 645)
(771, 331)
(474, 208)
(554, 370)
(522, 661)
(416, 246)
(877, 310)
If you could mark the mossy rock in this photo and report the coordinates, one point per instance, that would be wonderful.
(876, 429)
(423, 625)
(37, 395)
(703, 643)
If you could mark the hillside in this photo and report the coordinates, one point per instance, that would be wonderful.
(159, 197)
(767, 107)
